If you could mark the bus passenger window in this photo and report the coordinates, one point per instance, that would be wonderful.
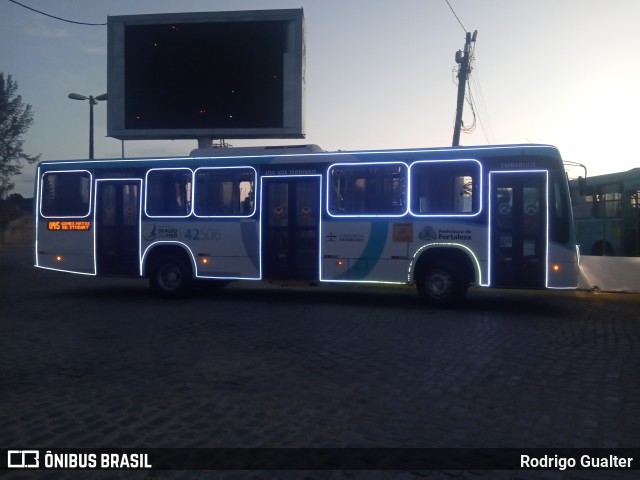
(367, 189)
(608, 201)
(65, 194)
(168, 193)
(225, 192)
(445, 187)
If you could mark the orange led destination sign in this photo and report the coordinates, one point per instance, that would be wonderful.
(74, 225)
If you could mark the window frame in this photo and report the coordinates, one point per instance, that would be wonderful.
(195, 191)
(146, 191)
(480, 193)
(368, 165)
(58, 172)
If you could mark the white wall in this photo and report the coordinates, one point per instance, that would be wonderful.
(610, 274)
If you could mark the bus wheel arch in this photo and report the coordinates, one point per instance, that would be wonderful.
(169, 270)
(442, 275)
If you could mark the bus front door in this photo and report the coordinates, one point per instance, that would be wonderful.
(290, 222)
(117, 226)
(518, 229)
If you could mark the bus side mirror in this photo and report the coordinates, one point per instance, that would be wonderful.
(582, 186)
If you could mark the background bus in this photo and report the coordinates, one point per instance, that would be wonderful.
(606, 210)
(441, 219)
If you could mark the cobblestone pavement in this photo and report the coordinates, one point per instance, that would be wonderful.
(101, 362)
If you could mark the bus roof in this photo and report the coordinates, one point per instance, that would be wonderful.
(310, 154)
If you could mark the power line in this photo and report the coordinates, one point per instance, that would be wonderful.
(454, 14)
(487, 128)
(53, 16)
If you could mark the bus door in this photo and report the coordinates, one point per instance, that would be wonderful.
(118, 226)
(290, 223)
(518, 229)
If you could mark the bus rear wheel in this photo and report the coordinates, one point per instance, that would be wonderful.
(170, 276)
(441, 284)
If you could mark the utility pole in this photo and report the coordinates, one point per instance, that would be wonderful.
(463, 59)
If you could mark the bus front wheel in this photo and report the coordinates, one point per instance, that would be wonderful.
(170, 276)
(441, 284)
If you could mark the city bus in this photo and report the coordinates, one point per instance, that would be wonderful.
(606, 210)
(441, 219)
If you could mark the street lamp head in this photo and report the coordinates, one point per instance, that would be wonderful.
(77, 96)
(101, 97)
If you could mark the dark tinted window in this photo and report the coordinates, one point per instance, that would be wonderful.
(445, 188)
(368, 189)
(65, 194)
(225, 192)
(169, 192)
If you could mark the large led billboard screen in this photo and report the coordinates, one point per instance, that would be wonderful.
(206, 75)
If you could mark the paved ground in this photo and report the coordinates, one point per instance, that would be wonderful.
(94, 362)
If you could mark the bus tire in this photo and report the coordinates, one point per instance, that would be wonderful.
(441, 284)
(170, 276)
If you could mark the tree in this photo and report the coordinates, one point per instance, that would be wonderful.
(15, 120)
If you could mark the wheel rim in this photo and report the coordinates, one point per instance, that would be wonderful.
(169, 277)
(439, 284)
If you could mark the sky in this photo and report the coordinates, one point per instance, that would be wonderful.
(379, 75)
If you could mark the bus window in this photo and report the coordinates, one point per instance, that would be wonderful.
(559, 221)
(168, 192)
(608, 201)
(225, 192)
(129, 205)
(368, 190)
(635, 199)
(445, 188)
(65, 194)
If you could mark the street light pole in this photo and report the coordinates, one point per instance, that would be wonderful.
(92, 101)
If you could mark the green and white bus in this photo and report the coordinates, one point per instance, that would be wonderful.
(606, 211)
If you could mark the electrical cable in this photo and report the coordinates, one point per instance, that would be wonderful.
(474, 82)
(469, 99)
(57, 18)
(486, 130)
(454, 14)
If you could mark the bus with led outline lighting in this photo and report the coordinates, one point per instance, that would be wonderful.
(441, 219)
(607, 213)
